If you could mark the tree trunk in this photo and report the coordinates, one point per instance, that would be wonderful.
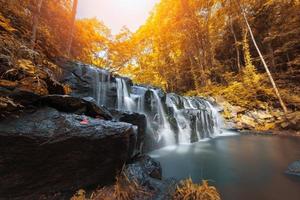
(263, 61)
(271, 53)
(238, 60)
(70, 39)
(36, 15)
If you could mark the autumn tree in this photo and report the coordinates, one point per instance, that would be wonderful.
(36, 15)
(91, 42)
(72, 27)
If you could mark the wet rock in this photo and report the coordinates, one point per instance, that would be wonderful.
(89, 81)
(145, 93)
(127, 80)
(25, 98)
(49, 152)
(136, 119)
(67, 103)
(294, 169)
(147, 173)
(143, 167)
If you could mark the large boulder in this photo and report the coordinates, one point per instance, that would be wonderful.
(66, 103)
(294, 169)
(48, 152)
(89, 81)
(136, 119)
(146, 172)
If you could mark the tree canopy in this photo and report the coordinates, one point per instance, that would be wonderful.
(195, 47)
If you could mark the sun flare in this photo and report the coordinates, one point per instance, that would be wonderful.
(117, 13)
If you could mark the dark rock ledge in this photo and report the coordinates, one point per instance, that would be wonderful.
(50, 151)
(46, 152)
(53, 144)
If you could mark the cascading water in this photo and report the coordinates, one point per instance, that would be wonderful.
(125, 102)
(165, 127)
(196, 118)
(101, 85)
(184, 134)
(170, 118)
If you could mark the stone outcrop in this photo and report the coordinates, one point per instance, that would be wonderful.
(240, 118)
(82, 80)
(147, 172)
(71, 104)
(136, 119)
(48, 151)
(294, 169)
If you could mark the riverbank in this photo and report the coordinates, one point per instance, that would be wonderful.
(283, 133)
(260, 120)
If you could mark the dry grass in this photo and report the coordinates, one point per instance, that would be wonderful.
(191, 191)
(124, 189)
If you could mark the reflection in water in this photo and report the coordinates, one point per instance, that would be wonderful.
(242, 167)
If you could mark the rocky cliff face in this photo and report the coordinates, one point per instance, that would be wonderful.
(170, 118)
(52, 144)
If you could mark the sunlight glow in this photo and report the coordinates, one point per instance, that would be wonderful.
(117, 13)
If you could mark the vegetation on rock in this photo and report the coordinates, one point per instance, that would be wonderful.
(190, 191)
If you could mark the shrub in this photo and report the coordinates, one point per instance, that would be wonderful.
(124, 189)
(191, 191)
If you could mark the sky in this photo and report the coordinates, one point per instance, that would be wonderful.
(117, 13)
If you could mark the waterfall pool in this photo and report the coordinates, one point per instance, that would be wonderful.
(242, 167)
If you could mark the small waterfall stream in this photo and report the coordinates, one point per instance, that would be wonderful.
(125, 102)
(170, 118)
(164, 125)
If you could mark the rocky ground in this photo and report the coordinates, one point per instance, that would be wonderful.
(259, 121)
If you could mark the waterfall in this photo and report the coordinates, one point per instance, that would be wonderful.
(101, 85)
(196, 118)
(184, 135)
(125, 102)
(217, 119)
(165, 127)
(170, 117)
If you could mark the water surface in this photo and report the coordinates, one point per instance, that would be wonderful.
(242, 167)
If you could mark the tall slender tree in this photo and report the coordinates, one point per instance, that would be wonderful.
(262, 59)
(72, 28)
(36, 15)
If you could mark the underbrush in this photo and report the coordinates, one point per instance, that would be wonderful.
(250, 90)
(188, 190)
(124, 189)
